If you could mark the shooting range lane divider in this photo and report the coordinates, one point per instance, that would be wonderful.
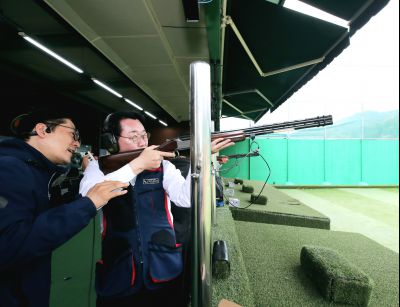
(236, 286)
(281, 209)
(336, 278)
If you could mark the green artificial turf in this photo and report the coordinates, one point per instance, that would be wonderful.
(368, 202)
(280, 209)
(336, 278)
(262, 216)
(376, 210)
(236, 287)
(272, 258)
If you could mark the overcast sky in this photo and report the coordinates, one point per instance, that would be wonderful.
(365, 76)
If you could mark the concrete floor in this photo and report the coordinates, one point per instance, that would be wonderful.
(373, 212)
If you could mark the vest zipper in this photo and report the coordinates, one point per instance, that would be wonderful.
(138, 230)
(48, 185)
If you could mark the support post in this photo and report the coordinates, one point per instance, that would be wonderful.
(200, 155)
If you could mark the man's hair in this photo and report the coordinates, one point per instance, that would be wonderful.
(112, 122)
(22, 125)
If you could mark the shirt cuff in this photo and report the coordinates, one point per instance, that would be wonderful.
(124, 174)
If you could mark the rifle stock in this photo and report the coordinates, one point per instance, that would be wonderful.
(113, 162)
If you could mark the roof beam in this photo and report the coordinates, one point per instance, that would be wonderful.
(227, 20)
(256, 91)
(236, 109)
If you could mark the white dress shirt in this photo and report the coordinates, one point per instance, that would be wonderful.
(175, 185)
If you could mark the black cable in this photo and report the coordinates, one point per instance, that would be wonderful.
(237, 163)
(262, 189)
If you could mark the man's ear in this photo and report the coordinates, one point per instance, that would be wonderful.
(41, 129)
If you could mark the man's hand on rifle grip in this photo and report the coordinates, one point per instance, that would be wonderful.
(149, 159)
(219, 144)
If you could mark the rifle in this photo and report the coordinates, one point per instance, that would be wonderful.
(113, 162)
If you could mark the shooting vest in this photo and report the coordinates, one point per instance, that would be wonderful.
(138, 240)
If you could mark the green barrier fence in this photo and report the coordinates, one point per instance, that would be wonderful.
(318, 161)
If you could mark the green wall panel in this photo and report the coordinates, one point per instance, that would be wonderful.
(342, 162)
(380, 161)
(306, 161)
(242, 170)
(274, 152)
(71, 274)
(331, 161)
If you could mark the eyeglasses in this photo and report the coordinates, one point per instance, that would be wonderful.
(136, 137)
(75, 132)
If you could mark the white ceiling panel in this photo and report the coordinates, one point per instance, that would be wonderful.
(187, 42)
(159, 73)
(148, 40)
(140, 51)
(114, 18)
(170, 13)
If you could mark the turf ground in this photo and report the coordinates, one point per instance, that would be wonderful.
(265, 257)
(373, 212)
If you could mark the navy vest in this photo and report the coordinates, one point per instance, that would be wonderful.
(139, 245)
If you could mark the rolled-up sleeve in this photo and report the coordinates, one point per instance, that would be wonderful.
(176, 186)
(94, 175)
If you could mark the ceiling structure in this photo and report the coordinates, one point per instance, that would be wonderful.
(142, 49)
(269, 52)
(149, 41)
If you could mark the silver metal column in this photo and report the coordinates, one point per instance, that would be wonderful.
(213, 190)
(200, 154)
(213, 185)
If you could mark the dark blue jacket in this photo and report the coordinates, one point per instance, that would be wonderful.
(30, 227)
(139, 247)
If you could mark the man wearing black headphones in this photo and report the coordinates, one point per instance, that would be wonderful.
(141, 262)
(31, 226)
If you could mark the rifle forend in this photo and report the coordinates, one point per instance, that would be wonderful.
(113, 162)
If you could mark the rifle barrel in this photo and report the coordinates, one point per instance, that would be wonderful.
(296, 124)
(266, 129)
(113, 162)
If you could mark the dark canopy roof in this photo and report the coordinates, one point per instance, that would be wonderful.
(282, 42)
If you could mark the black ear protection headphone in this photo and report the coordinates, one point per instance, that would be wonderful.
(16, 123)
(108, 140)
(48, 130)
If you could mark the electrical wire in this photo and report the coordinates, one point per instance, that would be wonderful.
(262, 189)
(237, 162)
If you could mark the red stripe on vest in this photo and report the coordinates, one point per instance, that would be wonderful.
(155, 170)
(103, 234)
(133, 272)
(167, 211)
(157, 281)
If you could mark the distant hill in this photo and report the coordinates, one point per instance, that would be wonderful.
(376, 125)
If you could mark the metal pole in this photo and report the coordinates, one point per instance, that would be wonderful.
(200, 155)
(213, 184)
(214, 191)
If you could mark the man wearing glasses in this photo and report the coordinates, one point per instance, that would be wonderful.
(141, 262)
(31, 226)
